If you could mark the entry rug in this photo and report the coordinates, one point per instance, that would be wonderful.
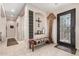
(69, 50)
(11, 41)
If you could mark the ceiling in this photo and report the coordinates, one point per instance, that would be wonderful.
(48, 7)
(12, 10)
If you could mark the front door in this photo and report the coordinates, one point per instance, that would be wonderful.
(66, 28)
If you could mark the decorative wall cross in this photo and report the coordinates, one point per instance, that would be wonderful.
(38, 21)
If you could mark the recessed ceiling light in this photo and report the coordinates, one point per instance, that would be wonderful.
(55, 3)
(12, 15)
(12, 10)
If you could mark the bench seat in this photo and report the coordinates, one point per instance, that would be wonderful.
(37, 42)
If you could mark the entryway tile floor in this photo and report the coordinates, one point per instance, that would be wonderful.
(21, 49)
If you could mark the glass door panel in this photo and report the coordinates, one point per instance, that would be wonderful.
(65, 26)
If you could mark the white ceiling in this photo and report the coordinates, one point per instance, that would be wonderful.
(13, 9)
(48, 7)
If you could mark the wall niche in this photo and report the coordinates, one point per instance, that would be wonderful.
(38, 24)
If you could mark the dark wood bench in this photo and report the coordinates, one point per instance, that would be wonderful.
(37, 42)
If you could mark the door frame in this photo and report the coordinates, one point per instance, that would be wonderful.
(73, 22)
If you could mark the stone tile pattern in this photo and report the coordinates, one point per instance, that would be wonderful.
(22, 50)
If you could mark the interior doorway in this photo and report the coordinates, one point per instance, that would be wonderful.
(10, 28)
(11, 33)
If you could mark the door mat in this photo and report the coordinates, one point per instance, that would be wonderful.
(67, 49)
(11, 41)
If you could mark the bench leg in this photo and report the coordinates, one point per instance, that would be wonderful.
(29, 45)
(32, 47)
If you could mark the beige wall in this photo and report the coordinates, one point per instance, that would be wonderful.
(2, 26)
(63, 9)
(20, 28)
(43, 18)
